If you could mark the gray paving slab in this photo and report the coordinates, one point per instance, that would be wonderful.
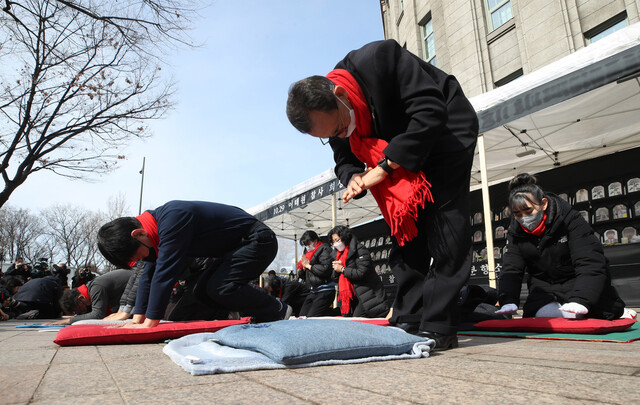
(86, 399)
(577, 384)
(237, 392)
(157, 373)
(19, 382)
(73, 381)
(77, 355)
(418, 384)
(315, 388)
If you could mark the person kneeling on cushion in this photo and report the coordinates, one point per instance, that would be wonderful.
(171, 234)
(568, 274)
(95, 300)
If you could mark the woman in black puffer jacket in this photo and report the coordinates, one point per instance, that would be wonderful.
(567, 272)
(360, 289)
(315, 267)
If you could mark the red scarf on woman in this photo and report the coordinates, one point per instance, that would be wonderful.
(402, 192)
(309, 255)
(345, 288)
(539, 229)
(150, 226)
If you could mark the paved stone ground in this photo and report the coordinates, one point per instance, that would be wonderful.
(484, 370)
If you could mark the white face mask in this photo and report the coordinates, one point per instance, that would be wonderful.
(310, 247)
(339, 246)
(352, 119)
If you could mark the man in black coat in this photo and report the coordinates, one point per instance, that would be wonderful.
(288, 291)
(431, 128)
(39, 297)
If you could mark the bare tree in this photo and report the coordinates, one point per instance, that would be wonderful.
(73, 230)
(117, 207)
(19, 229)
(79, 80)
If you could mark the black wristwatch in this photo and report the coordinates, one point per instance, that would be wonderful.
(384, 163)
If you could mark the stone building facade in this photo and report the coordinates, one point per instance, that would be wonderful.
(487, 43)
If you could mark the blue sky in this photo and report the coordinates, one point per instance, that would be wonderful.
(228, 140)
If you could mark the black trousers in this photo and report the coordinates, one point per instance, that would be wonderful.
(228, 284)
(318, 304)
(428, 290)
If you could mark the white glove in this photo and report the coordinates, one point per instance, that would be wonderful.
(507, 309)
(574, 308)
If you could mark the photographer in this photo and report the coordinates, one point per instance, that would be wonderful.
(19, 269)
(82, 276)
(40, 269)
(62, 272)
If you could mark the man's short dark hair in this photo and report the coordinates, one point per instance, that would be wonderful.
(273, 283)
(344, 232)
(116, 243)
(315, 93)
(69, 301)
(308, 236)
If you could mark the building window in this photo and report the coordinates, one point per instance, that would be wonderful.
(499, 12)
(608, 27)
(400, 13)
(428, 42)
(509, 78)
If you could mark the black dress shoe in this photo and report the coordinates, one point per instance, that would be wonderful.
(411, 328)
(443, 342)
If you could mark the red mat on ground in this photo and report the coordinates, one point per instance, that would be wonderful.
(79, 335)
(555, 325)
(82, 335)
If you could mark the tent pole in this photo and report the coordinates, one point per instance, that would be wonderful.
(334, 213)
(295, 257)
(487, 213)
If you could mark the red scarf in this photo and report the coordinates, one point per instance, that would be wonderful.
(539, 229)
(84, 291)
(402, 192)
(150, 226)
(345, 287)
(309, 255)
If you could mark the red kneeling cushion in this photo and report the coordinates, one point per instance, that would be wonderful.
(556, 325)
(78, 335)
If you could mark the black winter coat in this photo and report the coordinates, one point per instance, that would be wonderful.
(44, 290)
(565, 264)
(416, 107)
(366, 283)
(320, 271)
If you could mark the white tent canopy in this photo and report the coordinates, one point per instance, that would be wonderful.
(580, 107)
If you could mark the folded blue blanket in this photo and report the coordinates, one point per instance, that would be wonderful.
(293, 343)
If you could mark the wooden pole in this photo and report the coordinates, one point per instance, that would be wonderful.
(486, 205)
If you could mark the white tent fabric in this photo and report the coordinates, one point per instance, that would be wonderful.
(580, 107)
